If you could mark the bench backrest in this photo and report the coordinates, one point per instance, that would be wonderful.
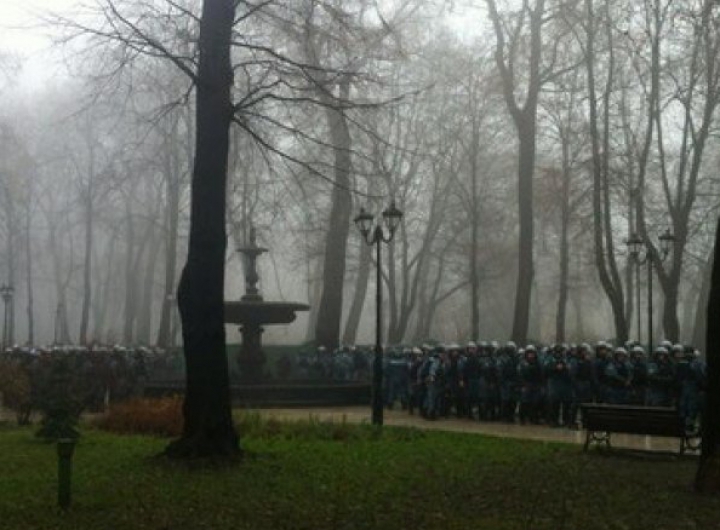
(656, 421)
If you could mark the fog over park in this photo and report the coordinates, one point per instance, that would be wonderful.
(525, 147)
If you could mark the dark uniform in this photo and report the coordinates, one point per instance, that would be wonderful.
(582, 375)
(559, 387)
(531, 380)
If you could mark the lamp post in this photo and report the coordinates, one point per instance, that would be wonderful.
(171, 299)
(375, 235)
(648, 255)
(6, 291)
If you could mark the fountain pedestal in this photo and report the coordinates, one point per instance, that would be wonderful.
(252, 313)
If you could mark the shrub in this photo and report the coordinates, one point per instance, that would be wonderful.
(60, 398)
(16, 390)
(156, 416)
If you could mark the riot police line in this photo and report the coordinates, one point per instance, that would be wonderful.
(93, 376)
(542, 385)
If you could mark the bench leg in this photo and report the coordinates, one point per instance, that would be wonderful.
(592, 436)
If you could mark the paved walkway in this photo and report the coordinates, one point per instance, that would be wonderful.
(529, 432)
(403, 419)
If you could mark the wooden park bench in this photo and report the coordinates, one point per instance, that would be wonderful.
(601, 420)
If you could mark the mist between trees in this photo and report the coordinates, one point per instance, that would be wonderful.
(522, 157)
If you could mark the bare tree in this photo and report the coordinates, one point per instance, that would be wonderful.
(516, 30)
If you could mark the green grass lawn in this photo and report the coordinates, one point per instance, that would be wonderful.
(347, 477)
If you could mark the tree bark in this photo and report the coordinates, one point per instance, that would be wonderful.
(144, 323)
(525, 119)
(62, 327)
(105, 289)
(87, 266)
(526, 268)
(327, 329)
(701, 309)
(603, 244)
(208, 428)
(560, 320)
(358, 302)
(29, 279)
(130, 274)
(474, 231)
(707, 478)
(172, 184)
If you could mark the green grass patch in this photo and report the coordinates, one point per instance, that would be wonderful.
(320, 475)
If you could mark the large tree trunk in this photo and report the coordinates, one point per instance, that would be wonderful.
(525, 120)
(474, 233)
(602, 217)
(208, 427)
(327, 329)
(105, 289)
(130, 276)
(314, 292)
(146, 296)
(133, 284)
(172, 183)
(700, 325)
(708, 473)
(87, 268)
(361, 285)
(62, 327)
(526, 269)
(564, 250)
(10, 227)
(29, 274)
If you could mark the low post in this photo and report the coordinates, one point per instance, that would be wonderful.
(65, 450)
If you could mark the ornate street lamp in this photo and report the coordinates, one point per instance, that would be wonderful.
(643, 253)
(634, 244)
(171, 299)
(7, 291)
(374, 235)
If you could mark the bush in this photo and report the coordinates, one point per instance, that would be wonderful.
(58, 424)
(60, 398)
(156, 416)
(16, 390)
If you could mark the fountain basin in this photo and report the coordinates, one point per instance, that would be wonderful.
(259, 312)
(251, 312)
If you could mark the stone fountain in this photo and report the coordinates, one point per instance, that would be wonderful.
(251, 312)
(252, 389)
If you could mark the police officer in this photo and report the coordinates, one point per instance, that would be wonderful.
(507, 368)
(582, 377)
(559, 387)
(531, 379)
(661, 379)
(689, 376)
(619, 376)
(471, 376)
(487, 367)
(415, 385)
(456, 392)
(640, 375)
(435, 384)
(397, 375)
(602, 359)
